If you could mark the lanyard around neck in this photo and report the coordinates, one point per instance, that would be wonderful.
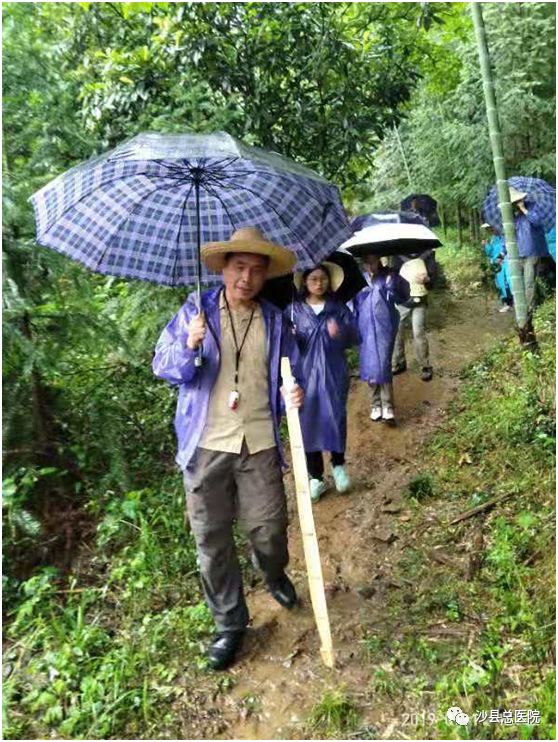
(238, 350)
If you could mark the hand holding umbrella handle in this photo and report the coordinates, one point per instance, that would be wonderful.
(196, 334)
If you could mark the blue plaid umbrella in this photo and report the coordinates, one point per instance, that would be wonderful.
(538, 191)
(143, 209)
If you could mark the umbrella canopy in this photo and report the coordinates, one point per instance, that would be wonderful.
(282, 291)
(538, 192)
(389, 238)
(143, 209)
(424, 205)
(398, 217)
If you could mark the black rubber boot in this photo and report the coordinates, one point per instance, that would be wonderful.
(223, 649)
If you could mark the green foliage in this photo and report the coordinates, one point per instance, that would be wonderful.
(503, 420)
(103, 660)
(445, 135)
(421, 487)
(334, 714)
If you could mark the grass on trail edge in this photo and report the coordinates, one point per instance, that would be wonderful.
(473, 623)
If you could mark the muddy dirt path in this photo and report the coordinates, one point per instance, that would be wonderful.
(279, 676)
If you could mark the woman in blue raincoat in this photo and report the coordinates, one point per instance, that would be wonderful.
(378, 320)
(495, 249)
(324, 328)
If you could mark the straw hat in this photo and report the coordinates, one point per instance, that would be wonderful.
(252, 240)
(336, 275)
(516, 195)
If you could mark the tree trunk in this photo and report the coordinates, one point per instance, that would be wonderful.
(403, 157)
(522, 313)
(459, 225)
(472, 226)
(38, 405)
(442, 215)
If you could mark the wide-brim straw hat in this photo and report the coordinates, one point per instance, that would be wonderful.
(516, 195)
(336, 276)
(250, 240)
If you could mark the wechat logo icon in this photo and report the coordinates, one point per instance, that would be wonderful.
(455, 714)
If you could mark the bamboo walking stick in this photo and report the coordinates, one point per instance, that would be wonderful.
(306, 518)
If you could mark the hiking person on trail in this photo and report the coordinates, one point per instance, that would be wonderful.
(550, 238)
(531, 243)
(324, 328)
(420, 271)
(377, 320)
(495, 249)
(227, 422)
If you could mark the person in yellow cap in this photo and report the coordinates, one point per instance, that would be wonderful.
(227, 423)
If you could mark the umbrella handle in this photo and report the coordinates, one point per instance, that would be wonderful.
(198, 360)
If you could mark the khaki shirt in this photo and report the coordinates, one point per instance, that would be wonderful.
(410, 270)
(225, 429)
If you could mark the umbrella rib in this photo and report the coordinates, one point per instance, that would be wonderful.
(213, 192)
(176, 251)
(89, 193)
(275, 174)
(225, 162)
(128, 215)
(270, 206)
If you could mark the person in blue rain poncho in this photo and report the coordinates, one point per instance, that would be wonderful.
(550, 238)
(495, 249)
(378, 321)
(324, 328)
(531, 242)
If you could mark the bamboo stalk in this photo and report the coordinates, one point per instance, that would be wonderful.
(516, 273)
(307, 528)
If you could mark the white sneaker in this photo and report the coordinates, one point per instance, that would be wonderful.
(387, 414)
(317, 489)
(341, 479)
(505, 308)
(376, 414)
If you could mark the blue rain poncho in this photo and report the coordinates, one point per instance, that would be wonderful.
(529, 233)
(494, 250)
(550, 238)
(323, 416)
(378, 321)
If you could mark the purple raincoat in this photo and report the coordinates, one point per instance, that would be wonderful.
(323, 416)
(174, 361)
(378, 320)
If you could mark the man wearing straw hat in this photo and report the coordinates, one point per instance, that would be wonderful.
(227, 424)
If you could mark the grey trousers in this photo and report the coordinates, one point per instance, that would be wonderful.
(417, 317)
(529, 269)
(224, 487)
(382, 395)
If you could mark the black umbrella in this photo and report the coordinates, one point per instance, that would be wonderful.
(281, 291)
(390, 238)
(398, 217)
(424, 205)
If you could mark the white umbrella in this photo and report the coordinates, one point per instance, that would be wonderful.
(389, 238)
